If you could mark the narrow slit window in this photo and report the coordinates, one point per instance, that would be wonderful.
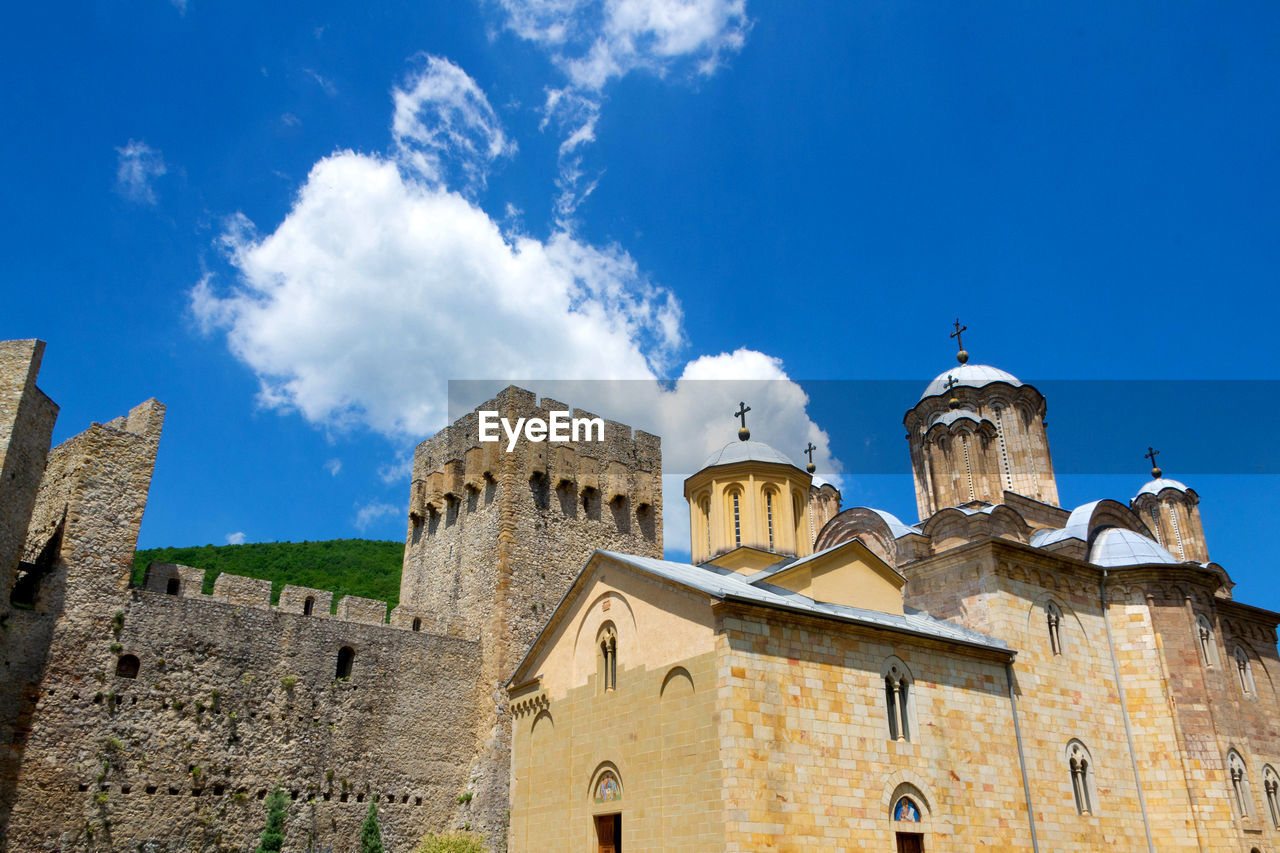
(737, 521)
(768, 507)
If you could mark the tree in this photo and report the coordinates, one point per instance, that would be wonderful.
(370, 834)
(273, 836)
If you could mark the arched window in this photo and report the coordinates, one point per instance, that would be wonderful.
(899, 699)
(1208, 648)
(1245, 670)
(798, 513)
(768, 514)
(346, 657)
(309, 605)
(607, 659)
(173, 587)
(1080, 764)
(1240, 791)
(1053, 615)
(735, 505)
(1271, 783)
(417, 624)
(704, 506)
(127, 666)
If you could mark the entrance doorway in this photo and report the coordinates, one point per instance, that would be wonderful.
(910, 842)
(609, 833)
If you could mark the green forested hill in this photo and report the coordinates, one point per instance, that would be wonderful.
(364, 567)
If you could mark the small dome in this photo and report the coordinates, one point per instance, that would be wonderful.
(1117, 546)
(971, 375)
(746, 451)
(1157, 486)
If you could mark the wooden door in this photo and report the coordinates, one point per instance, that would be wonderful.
(609, 833)
(910, 843)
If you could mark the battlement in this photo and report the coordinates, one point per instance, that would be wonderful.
(239, 591)
(625, 466)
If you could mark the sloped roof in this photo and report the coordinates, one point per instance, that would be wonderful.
(972, 375)
(747, 451)
(724, 584)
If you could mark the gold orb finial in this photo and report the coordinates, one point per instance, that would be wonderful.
(809, 451)
(1151, 454)
(743, 432)
(961, 356)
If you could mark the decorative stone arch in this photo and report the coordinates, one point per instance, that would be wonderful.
(608, 606)
(1242, 661)
(1054, 627)
(606, 657)
(947, 528)
(677, 682)
(1107, 513)
(865, 525)
(905, 783)
(1207, 639)
(1271, 787)
(605, 791)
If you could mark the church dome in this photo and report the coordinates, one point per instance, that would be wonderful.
(1158, 485)
(746, 451)
(950, 416)
(971, 375)
(1117, 546)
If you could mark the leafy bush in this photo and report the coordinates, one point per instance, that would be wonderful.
(370, 834)
(273, 836)
(450, 842)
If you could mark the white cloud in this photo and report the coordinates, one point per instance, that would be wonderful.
(333, 466)
(236, 538)
(371, 513)
(594, 41)
(137, 167)
(325, 84)
(375, 289)
(443, 118)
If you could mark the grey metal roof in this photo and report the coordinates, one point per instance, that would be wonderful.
(972, 375)
(1117, 546)
(746, 451)
(896, 527)
(950, 416)
(728, 585)
(1157, 486)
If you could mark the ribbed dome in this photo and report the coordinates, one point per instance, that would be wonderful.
(1155, 487)
(972, 375)
(746, 451)
(1116, 546)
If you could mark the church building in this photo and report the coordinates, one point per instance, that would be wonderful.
(1006, 673)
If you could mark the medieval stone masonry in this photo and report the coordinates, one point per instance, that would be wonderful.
(1006, 673)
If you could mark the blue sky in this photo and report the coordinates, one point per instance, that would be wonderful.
(294, 223)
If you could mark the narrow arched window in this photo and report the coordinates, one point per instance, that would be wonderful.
(768, 512)
(1240, 792)
(798, 513)
(737, 519)
(898, 700)
(173, 587)
(346, 657)
(1208, 648)
(705, 505)
(1271, 783)
(1080, 765)
(417, 624)
(1245, 671)
(127, 666)
(607, 660)
(1053, 615)
(309, 605)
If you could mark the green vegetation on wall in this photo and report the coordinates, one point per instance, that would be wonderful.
(364, 567)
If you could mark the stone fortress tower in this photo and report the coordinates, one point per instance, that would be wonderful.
(495, 538)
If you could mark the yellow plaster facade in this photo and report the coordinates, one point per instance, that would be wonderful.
(753, 503)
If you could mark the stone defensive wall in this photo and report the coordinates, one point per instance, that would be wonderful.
(181, 711)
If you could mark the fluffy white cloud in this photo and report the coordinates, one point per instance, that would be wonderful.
(236, 538)
(137, 167)
(593, 41)
(371, 513)
(375, 289)
(441, 118)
